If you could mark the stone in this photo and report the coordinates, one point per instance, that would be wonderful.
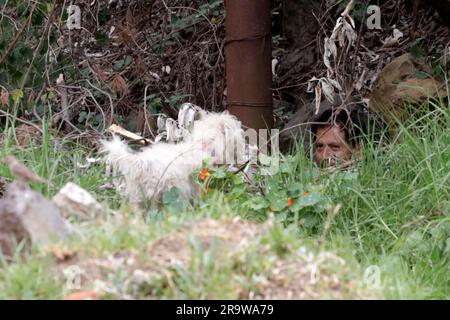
(73, 200)
(26, 215)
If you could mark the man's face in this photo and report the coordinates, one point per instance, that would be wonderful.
(331, 146)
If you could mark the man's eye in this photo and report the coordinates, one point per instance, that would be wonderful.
(319, 146)
(335, 148)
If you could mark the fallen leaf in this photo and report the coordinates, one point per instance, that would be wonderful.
(4, 97)
(82, 295)
(119, 85)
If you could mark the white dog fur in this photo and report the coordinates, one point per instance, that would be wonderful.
(215, 137)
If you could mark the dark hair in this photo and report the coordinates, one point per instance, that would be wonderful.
(354, 123)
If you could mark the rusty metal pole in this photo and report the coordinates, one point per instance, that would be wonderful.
(248, 53)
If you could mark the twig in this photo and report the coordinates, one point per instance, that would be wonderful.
(37, 49)
(6, 114)
(16, 38)
(109, 98)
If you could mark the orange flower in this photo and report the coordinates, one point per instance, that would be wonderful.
(305, 193)
(290, 201)
(204, 174)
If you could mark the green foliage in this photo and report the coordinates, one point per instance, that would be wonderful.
(173, 201)
(416, 50)
(394, 214)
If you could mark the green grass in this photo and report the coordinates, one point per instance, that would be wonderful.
(394, 214)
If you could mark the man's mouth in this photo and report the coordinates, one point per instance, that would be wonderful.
(329, 162)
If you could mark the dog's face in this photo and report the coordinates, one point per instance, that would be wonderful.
(221, 136)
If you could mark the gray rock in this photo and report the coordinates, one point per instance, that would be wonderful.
(26, 215)
(73, 200)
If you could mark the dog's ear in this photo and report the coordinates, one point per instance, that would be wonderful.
(200, 114)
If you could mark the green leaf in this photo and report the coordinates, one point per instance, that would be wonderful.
(101, 38)
(238, 180)
(258, 203)
(278, 202)
(281, 217)
(295, 189)
(49, 7)
(82, 116)
(421, 75)
(118, 64)
(311, 199)
(311, 220)
(417, 52)
(104, 16)
(285, 167)
(306, 201)
(220, 173)
(128, 60)
(171, 195)
(16, 95)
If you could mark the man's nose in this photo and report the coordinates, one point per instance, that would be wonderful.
(327, 152)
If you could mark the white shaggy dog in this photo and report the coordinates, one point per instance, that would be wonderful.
(215, 137)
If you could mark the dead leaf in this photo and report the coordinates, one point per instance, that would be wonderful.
(127, 134)
(318, 92)
(4, 97)
(27, 135)
(119, 85)
(82, 295)
(100, 73)
(61, 253)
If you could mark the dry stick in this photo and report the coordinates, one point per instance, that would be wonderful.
(6, 114)
(98, 106)
(36, 50)
(111, 104)
(62, 91)
(358, 41)
(16, 38)
(145, 113)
